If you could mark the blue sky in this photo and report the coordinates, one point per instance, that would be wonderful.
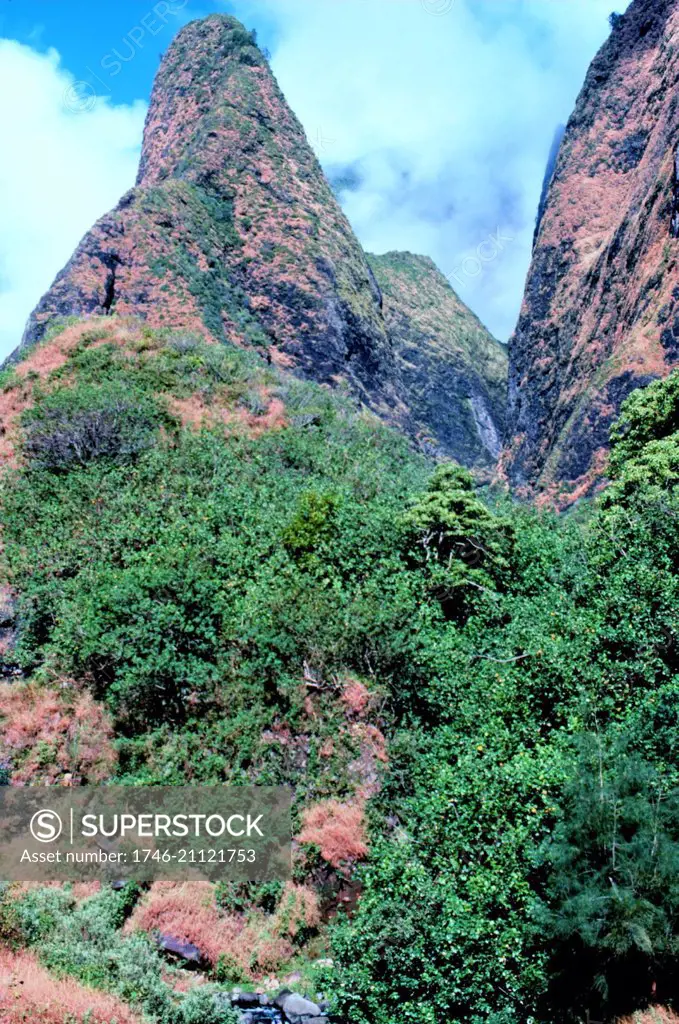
(93, 38)
(433, 118)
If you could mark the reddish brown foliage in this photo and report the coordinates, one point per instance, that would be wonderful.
(257, 944)
(337, 829)
(54, 736)
(187, 912)
(29, 994)
(355, 696)
(192, 412)
(653, 1015)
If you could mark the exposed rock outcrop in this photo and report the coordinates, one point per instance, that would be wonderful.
(177, 949)
(232, 230)
(600, 315)
(453, 372)
(297, 1009)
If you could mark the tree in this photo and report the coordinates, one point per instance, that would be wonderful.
(649, 415)
(610, 905)
(462, 543)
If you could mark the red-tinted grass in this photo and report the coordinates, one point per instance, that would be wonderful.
(28, 994)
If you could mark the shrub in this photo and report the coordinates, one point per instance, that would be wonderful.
(337, 829)
(255, 402)
(46, 734)
(184, 342)
(297, 912)
(463, 545)
(311, 528)
(238, 897)
(39, 911)
(73, 428)
(206, 1005)
(9, 925)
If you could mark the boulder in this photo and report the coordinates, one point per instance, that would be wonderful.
(298, 1010)
(248, 1000)
(187, 953)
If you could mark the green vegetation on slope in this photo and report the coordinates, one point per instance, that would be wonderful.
(416, 283)
(523, 849)
(534, 874)
(454, 371)
(84, 941)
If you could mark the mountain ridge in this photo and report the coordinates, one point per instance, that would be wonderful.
(233, 231)
(600, 305)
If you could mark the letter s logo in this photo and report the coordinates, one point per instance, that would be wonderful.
(46, 826)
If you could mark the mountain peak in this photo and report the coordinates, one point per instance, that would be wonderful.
(234, 233)
(232, 230)
(212, 75)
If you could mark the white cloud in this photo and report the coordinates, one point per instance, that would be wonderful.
(447, 120)
(63, 166)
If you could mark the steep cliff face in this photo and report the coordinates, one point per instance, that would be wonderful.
(600, 315)
(453, 372)
(232, 228)
(233, 231)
